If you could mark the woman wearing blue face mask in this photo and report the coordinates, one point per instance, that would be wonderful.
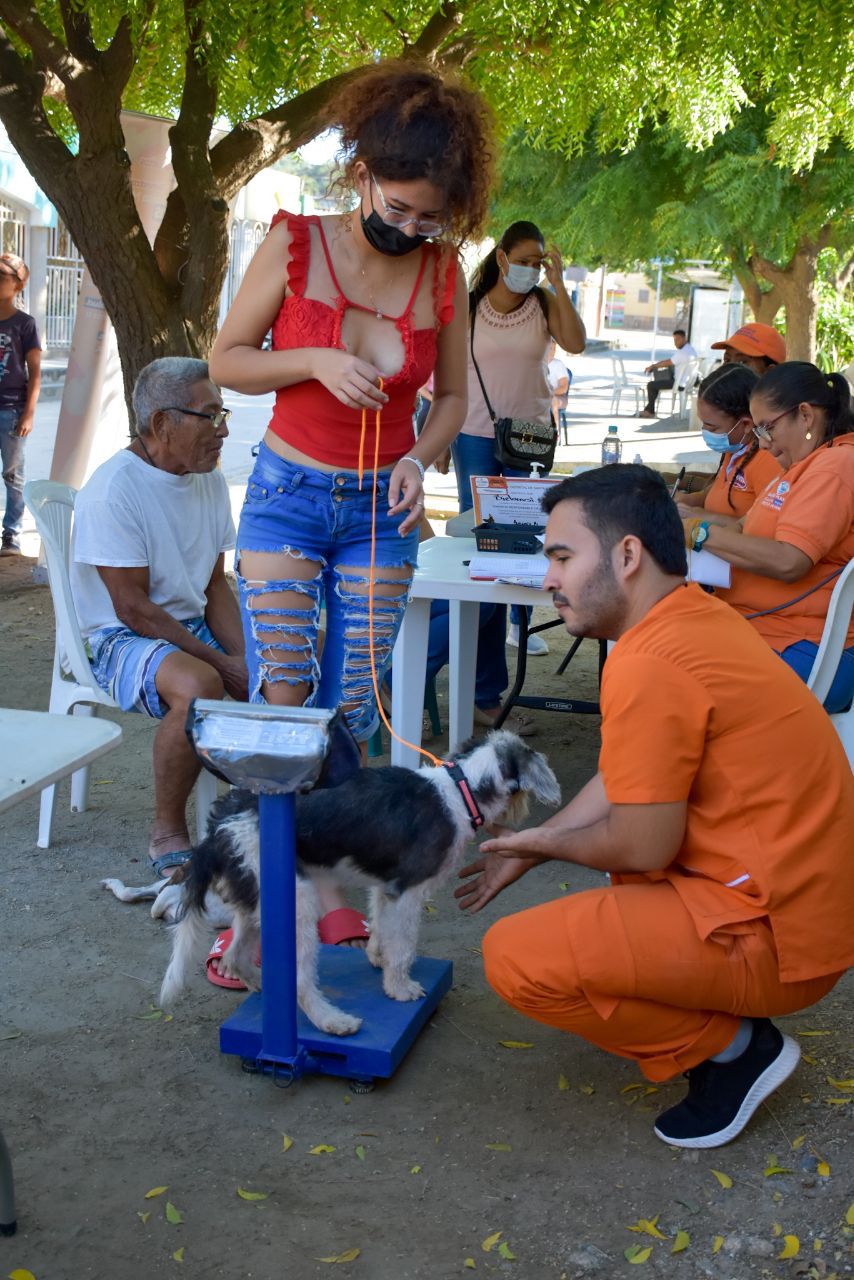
(515, 323)
(723, 405)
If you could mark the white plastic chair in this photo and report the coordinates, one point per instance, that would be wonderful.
(833, 639)
(680, 396)
(73, 688)
(621, 382)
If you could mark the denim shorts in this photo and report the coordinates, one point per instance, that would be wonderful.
(322, 517)
(125, 664)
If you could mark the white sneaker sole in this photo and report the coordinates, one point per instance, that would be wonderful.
(772, 1077)
(532, 653)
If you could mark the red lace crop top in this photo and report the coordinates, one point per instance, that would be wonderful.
(307, 415)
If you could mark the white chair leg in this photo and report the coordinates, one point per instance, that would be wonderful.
(80, 779)
(48, 800)
(206, 793)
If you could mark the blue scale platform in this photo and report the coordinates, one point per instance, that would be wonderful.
(354, 985)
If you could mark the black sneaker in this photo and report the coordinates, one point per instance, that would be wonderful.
(722, 1096)
(10, 545)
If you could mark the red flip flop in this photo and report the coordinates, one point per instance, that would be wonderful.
(220, 946)
(344, 924)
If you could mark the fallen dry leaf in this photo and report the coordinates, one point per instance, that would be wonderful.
(773, 1168)
(178, 1255)
(252, 1195)
(416, 1168)
(723, 1178)
(791, 1247)
(491, 1241)
(681, 1242)
(173, 1215)
(321, 1150)
(516, 1044)
(776, 1229)
(564, 884)
(498, 1146)
(717, 1244)
(349, 1256)
(799, 1142)
(648, 1227)
(845, 1085)
(563, 1084)
(815, 1033)
(471, 1264)
(287, 1142)
(506, 1252)
(155, 1191)
(21, 1273)
(823, 1169)
(360, 1152)
(837, 1102)
(849, 1216)
(143, 1217)
(587, 1088)
(637, 1253)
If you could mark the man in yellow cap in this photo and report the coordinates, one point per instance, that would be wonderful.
(759, 346)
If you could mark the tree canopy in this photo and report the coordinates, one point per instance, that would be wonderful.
(731, 203)
(269, 69)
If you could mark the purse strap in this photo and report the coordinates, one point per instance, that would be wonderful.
(476, 368)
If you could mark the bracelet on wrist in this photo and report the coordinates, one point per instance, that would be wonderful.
(419, 464)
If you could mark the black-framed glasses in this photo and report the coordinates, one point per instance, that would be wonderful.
(762, 430)
(219, 417)
(397, 218)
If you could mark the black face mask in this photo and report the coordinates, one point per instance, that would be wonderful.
(387, 239)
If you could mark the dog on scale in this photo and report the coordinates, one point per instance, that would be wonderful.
(398, 832)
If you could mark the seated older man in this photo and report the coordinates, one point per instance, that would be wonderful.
(150, 529)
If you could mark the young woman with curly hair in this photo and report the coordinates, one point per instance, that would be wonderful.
(363, 307)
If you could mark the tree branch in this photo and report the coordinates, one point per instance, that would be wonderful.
(78, 31)
(844, 276)
(46, 48)
(23, 114)
(446, 19)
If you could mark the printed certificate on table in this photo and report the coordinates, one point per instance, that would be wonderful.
(510, 500)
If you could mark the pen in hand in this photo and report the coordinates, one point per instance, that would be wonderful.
(676, 483)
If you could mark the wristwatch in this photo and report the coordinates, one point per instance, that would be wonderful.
(701, 535)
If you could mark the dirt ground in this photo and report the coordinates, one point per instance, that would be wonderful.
(551, 1146)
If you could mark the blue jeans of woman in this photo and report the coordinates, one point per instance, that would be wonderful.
(800, 658)
(12, 455)
(322, 517)
(475, 456)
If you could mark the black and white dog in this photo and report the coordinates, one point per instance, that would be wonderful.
(396, 831)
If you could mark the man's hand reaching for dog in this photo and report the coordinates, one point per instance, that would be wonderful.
(500, 866)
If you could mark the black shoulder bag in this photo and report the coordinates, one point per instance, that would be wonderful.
(518, 442)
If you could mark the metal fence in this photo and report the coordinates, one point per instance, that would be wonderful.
(64, 274)
(244, 239)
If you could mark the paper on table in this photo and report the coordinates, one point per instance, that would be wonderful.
(529, 571)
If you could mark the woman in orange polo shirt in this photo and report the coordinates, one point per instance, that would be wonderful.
(798, 536)
(723, 405)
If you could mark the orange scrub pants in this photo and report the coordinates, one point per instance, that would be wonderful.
(624, 968)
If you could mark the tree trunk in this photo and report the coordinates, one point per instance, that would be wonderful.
(797, 283)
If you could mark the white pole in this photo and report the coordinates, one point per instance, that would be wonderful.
(655, 313)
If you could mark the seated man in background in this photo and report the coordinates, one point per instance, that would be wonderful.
(723, 810)
(151, 526)
(671, 372)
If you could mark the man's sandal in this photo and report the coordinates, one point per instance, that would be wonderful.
(344, 924)
(177, 858)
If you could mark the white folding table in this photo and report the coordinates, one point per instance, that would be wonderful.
(443, 574)
(39, 749)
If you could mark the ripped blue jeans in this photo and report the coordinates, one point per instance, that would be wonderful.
(321, 519)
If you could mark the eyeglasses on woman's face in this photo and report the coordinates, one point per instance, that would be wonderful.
(401, 219)
(762, 430)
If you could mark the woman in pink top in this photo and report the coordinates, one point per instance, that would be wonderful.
(515, 322)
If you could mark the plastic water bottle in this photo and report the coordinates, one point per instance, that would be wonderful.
(611, 447)
(638, 460)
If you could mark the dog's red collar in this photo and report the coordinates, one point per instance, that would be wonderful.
(475, 816)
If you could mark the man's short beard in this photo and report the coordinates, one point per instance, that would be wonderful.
(600, 607)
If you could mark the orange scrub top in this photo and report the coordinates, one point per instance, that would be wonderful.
(696, 707)
(811, 506)
(750, 480)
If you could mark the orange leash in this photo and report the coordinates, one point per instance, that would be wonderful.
(428, 755)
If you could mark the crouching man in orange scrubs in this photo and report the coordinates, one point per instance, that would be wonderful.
(723, 810)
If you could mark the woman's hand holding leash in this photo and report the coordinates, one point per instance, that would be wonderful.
(406, 493)
(353, 381)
